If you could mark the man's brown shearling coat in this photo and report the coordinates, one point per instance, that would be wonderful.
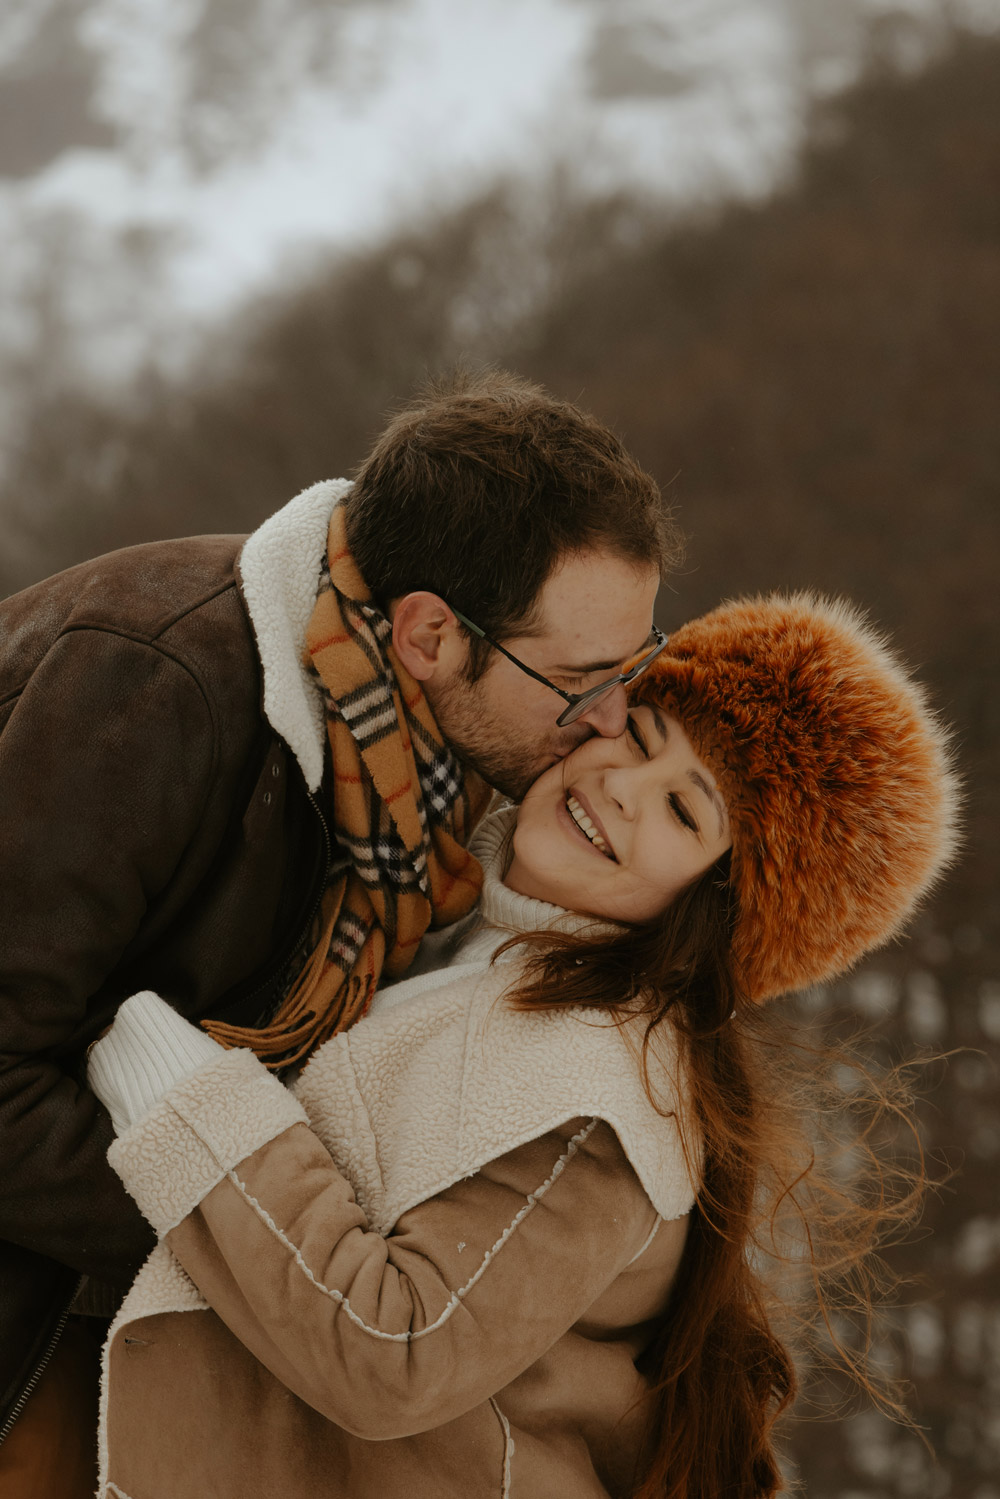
(155, 832)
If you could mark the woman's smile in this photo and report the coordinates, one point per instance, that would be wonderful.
(622, 825)
(585, 821)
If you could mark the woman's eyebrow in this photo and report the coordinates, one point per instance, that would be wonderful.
(713, 796)
(659, 720)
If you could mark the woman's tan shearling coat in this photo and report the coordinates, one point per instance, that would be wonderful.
(428, 1270)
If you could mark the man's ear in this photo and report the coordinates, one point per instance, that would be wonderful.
(425, 636)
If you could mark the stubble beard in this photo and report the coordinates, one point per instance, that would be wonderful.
(503, 770)
(509, 762)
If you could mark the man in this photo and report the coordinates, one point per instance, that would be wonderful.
(241, 773)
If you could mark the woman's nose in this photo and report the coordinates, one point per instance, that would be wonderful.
(609, 714)
(622, 784)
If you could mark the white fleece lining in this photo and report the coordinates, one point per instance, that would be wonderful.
(508, 1448)
(184, 1145)
(194, 1303)
(531, 1201)
(279, 568)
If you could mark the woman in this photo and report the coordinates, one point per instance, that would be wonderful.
(495, 1241)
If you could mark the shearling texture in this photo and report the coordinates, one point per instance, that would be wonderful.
(428, 1092)
(842, 799)
(161, 1286)
(411, 1101)
(279, 569)
(205, 1125)
(408, 1102)
(440, 1083)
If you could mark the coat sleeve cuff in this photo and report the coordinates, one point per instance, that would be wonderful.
(204, 1127)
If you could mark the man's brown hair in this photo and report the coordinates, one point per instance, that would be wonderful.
(477, 489)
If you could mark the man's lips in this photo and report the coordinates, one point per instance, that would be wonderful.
(607, 851)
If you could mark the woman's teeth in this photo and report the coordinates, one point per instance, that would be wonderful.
(584, 823)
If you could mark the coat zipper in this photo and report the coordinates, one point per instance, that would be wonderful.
(42, 1365)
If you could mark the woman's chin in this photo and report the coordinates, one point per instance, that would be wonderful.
(521, 880)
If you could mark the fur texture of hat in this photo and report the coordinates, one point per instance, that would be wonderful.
(842, 798)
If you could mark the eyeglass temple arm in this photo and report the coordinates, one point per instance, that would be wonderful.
(498, 647)
(660, 643)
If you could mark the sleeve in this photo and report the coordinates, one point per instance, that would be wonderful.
(148, 1049)
(106, 761)
(385, 1336)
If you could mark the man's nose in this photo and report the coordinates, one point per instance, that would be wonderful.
(609, 715)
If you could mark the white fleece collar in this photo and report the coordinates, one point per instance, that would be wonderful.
(279, 567)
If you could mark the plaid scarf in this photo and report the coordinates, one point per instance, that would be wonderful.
(401, 809)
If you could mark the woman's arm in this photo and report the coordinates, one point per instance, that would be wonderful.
(387, 1337)
(384, 1336)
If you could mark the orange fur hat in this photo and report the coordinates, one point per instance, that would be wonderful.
(842, 799)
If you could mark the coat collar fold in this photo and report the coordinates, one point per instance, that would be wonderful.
(279, 568)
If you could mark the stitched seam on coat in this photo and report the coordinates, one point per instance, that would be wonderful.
(652, 1235)
(508, 1448)
(164, 652)
(530, 1202)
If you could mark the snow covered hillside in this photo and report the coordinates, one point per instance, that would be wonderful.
(159, 164)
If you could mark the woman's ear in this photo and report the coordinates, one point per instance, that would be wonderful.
(425, 636)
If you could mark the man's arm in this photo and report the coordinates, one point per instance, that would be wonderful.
(106, 760)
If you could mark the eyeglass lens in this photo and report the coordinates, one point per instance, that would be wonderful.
(630, 670)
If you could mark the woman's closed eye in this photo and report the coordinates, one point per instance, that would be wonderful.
(677, 806)
(681, 812)
(632, 729)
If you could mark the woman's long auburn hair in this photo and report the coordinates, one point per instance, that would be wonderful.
(782, 1242)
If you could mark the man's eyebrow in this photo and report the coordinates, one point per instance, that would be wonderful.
(614, 665)
(713, 796)
(584, 671)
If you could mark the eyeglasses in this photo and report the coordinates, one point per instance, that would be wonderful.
(579, 702)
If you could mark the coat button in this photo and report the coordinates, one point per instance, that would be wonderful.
(267, 798)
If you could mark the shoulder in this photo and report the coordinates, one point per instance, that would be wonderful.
(145, 588)
(178, 598)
